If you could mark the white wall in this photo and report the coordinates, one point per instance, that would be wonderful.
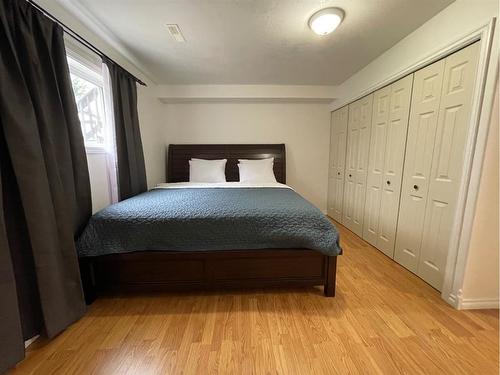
(151, 119)
(283, 93)
(481, 279)
(303, 127)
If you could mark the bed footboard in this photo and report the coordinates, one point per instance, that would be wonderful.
(195, 270)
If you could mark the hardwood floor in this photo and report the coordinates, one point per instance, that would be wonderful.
(384, 320)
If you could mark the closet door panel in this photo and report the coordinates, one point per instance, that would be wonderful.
(447, 164)
(393, 164)
(347, 211)
(358, 143)
(341, 134)
(362, 162)
(339, 198)
(351, 158)
(332, 166)
(418, 158)
(380, 119)
(338, 139)
(332, 182)
(333, 145)
(359, 206)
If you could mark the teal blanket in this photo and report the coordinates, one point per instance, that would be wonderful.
(209, 219)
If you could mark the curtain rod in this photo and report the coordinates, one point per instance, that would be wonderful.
(81, 39)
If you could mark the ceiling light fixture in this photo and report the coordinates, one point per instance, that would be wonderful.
(326, 20)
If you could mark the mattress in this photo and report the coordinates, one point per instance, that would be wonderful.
(205, 217)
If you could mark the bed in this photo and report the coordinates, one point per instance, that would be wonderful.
(192, 236)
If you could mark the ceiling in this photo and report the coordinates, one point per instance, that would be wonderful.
(257, 41)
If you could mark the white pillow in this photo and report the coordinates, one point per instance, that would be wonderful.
(201, 170)
(267, 160)
(256, 170)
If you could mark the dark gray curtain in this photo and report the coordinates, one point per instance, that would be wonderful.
(11, 337)
(129, 153)
(45, 189)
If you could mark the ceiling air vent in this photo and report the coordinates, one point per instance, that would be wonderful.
(175, 32)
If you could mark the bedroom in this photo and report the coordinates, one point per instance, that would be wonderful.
(315, 239)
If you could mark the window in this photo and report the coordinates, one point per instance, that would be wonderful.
(90, 83)
(89, 89)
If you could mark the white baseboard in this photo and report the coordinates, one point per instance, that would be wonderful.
(478, 303)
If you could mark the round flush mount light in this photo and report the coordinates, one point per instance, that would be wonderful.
(326, 20)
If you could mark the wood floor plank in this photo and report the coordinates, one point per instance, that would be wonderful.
(383, 320)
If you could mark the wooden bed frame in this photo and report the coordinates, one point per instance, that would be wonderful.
(157, 271)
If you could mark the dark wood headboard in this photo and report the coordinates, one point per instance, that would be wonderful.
(179, 156)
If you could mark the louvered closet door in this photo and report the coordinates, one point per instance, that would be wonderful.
(358, 143)
(419, 150)
(338, 143)
(447, 164)
(387, 148)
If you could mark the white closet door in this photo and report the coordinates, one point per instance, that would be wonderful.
(387, 148)
(419, 149)
(338, 143)
(358, 143)
(397, 127)
(380, 119)
(447, 164)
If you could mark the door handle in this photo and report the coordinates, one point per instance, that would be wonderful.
(338, 173)
(350, 175)
(388, 182)
(415, 187)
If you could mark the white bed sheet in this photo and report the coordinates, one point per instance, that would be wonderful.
(219, 185)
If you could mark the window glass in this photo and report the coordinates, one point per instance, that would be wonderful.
(89, 94)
